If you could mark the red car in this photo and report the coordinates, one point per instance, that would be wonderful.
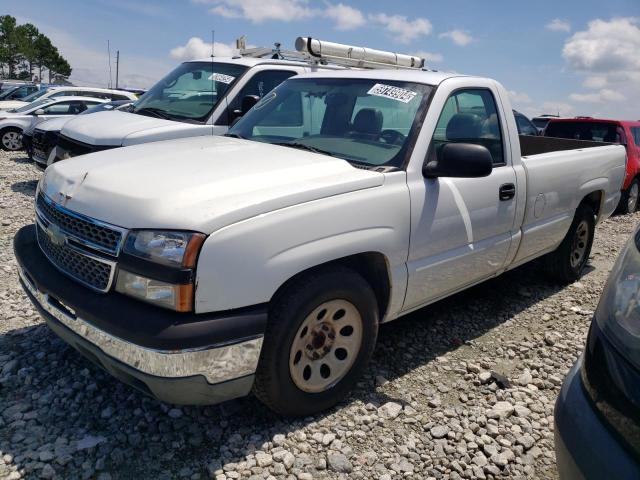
(624, 132)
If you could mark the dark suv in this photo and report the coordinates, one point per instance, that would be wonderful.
(597, 415)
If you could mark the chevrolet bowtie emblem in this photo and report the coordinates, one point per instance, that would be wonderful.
(55, 235)
(64, 197)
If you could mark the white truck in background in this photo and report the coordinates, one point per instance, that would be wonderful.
(198, 98)
(200, 269)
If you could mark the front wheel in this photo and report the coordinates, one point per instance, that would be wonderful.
(10, 139)
(566, 263)
(629, 200)
(320, 337)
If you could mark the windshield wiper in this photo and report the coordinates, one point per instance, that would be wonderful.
(234, 135)
(156, 112)
(308, 148)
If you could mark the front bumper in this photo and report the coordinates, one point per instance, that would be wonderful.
(178, 358)
(586, 448)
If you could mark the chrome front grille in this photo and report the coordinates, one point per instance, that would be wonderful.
(81, 247)
(89, 271)
(89, 232)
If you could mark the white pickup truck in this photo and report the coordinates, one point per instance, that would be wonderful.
(199, 97)
(197, 270)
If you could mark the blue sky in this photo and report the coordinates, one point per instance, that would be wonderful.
(575, 56)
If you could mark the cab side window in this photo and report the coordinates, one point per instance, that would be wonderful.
(65, 108)
(261, 84)
(471, 116)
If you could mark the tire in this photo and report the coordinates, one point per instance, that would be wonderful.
(297, 322)
(566, 263)
(10, 139)
(629, 198)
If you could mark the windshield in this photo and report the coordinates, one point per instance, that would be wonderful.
(33, 105)
(35, 95)
(364, 121)
(8, 92)
(190, 92)
(577, 130)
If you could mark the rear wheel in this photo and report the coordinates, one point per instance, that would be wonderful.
(10, 139)
(629, 200)
(566, 263)
(320, 336)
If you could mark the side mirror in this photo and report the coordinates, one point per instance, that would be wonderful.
(40, 111)
(462, 160)
(248, 101)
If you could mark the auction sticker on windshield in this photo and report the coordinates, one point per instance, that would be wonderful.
(389, 91)
(222, 78)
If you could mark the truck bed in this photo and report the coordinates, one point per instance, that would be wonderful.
(530, 145)
(560, 173)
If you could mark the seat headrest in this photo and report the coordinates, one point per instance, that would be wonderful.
(463, 126)
(368, 121)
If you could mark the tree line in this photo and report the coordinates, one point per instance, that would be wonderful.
(25, 51)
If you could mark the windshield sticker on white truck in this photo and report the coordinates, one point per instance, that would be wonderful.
(222, 78)
(394, 93)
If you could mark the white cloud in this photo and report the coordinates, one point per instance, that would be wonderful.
(346, 17)
(602, 96)
(401, 28)
(198, 48)
(258, 11)
(429, 57)
(606, 52)
(519, 97)
(459, 37)
(595, 81)
(605, 47)
(557, 25)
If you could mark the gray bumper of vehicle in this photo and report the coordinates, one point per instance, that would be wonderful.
(586, 448)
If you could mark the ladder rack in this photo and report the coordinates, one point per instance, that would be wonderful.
(316, 52)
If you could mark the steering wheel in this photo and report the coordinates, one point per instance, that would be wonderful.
(393, 137)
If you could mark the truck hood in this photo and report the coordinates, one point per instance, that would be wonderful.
(201, 184)
(9, 104)
(117, 128)
(53, 125)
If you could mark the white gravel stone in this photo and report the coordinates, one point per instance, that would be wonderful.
(434, 375)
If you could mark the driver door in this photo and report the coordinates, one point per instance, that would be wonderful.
(461, 228)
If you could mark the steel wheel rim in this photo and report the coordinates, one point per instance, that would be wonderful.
(579, 247)
(326, 345)
(11, 140)
(632, 200)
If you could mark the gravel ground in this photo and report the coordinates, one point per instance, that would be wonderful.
(429, 407)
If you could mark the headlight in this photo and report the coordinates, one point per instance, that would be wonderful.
(157, 267)
(163, 294)
(618, 313)
(175, 249)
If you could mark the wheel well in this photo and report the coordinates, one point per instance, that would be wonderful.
(372, 266)
(594, 200)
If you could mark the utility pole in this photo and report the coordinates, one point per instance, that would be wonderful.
(117, 66)
(109, 54)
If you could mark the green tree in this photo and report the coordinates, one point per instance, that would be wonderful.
(26, 37)
(9, 48)
(23, 48)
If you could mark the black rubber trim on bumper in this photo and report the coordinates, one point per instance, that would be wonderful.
(132, 320)
(193, 390)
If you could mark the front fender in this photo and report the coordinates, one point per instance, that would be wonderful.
(245, 263)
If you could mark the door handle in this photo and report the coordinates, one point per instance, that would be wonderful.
(507, 191)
